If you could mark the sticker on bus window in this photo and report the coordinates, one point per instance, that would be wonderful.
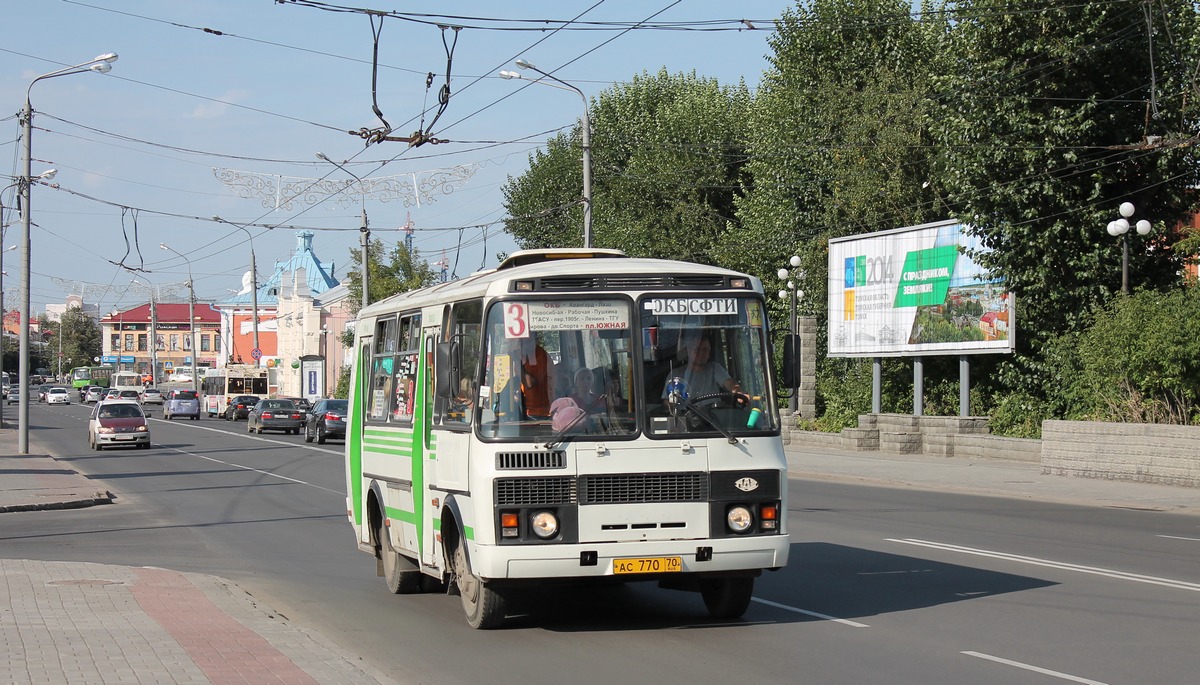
(755, 315)
(693, 306)
(522, 318)
(503, 371)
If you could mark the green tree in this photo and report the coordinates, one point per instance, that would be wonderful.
(1049, 119)
(392, 271)
(667, 160)
(839, 145)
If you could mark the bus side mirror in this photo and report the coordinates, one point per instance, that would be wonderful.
(790, 376)
(445, 369)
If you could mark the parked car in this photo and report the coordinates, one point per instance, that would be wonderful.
(327, 419)
(182, 403)
(274, 415)
(58, 395)
(118, 422)
(239, 406)
(152, 396)
(42, 391)
(93, 393)
(180, 378)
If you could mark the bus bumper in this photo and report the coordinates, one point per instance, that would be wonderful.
(597, 560)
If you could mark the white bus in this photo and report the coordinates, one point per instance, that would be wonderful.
(221, 384)
(457, 474)
(126, 380)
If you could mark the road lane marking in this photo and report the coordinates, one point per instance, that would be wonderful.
(843, 621)
(1178, 537)
(251, 468)
(1035, 669)
(1035, 561)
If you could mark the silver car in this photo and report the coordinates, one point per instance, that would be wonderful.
(93, 394)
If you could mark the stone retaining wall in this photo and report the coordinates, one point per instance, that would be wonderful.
(1142, 452)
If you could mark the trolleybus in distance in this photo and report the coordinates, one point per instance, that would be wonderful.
(218, 385)
(467, 463)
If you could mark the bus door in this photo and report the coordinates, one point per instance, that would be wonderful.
(430, 443)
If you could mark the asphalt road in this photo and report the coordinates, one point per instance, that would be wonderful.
(884, 585)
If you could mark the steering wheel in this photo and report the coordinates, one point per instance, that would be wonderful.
(722, 398)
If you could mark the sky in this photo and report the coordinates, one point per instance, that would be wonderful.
(215, 105)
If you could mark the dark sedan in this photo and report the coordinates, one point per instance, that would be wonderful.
(327, 419)
(274, 415)
(239, 407)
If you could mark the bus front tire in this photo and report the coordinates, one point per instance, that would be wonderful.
(727, 597)
(400, 580)
(483, 606)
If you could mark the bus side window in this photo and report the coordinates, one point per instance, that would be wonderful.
(465, 329)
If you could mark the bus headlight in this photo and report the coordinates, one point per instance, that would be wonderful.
(739, 519)
(544, 524)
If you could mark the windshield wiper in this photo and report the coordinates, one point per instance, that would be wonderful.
(708, 418)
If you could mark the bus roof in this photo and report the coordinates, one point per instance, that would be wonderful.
(576, 269)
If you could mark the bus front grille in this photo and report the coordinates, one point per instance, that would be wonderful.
(531, 460)
(514, 492)
(626, 488)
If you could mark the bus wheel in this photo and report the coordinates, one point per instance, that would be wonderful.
(483, 605)
(400, 580)
(727, 597)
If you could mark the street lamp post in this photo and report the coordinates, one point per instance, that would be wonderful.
(364, 231)
(587, 142)
(791, 349)
(1120, 227)
(191, 315)
(100, 64)
(253, 282)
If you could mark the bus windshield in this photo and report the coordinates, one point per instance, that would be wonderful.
(557, 367)
(704, 365)
(569, 368)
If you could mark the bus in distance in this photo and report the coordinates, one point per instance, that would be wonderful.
(220, 384)
(571, 415)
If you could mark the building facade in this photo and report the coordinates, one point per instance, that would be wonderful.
(127, 336)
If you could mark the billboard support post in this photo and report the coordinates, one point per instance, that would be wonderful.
(964, 386)
(876, 385)
(918, 387)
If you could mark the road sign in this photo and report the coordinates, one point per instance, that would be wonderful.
(256, 354)
(168, 365)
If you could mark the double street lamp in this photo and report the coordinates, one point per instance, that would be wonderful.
(100, 64)
(192, 314)
(791, 350)
(587, 140)
(1120, 227)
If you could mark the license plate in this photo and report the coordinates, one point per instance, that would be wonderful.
(647, 565)
(126, 437)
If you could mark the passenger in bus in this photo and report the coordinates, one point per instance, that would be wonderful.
(537, 378)
(584, 394)
(701, 375)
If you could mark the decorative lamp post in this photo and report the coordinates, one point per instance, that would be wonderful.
(587, 141)
(792, 348)
(101, 64)
(191, 315)
(253, 281)
(1120, 227)
(364, 231)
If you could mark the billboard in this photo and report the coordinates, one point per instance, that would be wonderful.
(915, 291)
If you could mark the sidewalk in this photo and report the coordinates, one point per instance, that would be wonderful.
(994, 477)
(63, 622)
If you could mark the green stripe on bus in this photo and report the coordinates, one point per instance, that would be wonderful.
(400, 515)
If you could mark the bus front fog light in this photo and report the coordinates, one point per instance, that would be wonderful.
(544, 524)
(739, 519)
